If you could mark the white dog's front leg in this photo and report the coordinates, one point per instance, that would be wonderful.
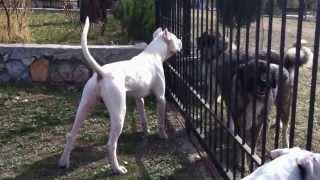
(142, 114)
(161, 108)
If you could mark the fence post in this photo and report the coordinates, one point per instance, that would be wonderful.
(158, 9)
(186, 39)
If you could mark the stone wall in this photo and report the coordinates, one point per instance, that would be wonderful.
(56, 64)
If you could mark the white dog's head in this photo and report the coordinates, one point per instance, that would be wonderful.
(309, 162)
(289, 164)
(174, 44)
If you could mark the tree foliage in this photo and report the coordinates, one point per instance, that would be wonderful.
(137, 17)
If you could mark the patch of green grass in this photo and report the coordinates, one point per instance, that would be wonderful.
(57, 28)
(34, 121)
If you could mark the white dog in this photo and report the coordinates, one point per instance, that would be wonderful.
(290, 164)
(112, 82)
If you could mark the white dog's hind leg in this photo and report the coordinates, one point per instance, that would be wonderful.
(142, 114)
(88, 99)
(115, 100)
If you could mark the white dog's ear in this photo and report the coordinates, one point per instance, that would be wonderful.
(279, 152)
(306, 163)
(311, 166)
(166, 35)
(157, 32)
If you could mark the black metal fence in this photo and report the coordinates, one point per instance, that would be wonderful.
(240, 72)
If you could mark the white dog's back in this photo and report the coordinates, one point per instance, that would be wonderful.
(136, 77)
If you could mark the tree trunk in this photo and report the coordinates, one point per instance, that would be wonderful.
(93, 9)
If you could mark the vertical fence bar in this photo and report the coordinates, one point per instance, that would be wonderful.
(296, 73)
(313, 81)
(194, 55)
(197, 65)
(244, 139)
(221, 104)
(200, 74)
(254, 110)
(215, 82)
(229, 115)
(207, 114)
(179, 27)
(186, 36)
(186, 27)
(157, 13)
(281, 66)
(266, 110)
(168, 14)
(235, 147)
(187, 65)
(211, 116)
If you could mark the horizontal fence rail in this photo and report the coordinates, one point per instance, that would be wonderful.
(246, 79)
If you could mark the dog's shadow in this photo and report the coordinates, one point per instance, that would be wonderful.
(48, 168)
(134, 145)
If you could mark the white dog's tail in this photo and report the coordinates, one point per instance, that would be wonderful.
(91, 61)
(306, 55)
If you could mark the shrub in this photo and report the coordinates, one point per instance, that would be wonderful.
(137, 18)
(239, 12)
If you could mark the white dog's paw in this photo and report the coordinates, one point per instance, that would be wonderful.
(120, 170)
(162, 134)
(63, 163)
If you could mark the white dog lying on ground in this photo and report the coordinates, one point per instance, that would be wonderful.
(289, 164)
(112, 82)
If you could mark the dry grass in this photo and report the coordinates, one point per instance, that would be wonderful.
(14, 18)
(19, 32)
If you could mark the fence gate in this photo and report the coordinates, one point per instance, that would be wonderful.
(245, 65)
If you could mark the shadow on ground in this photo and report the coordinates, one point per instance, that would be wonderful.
(138, 152)
(47, 167)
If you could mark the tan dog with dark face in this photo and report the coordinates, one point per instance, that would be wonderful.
(138, 77)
